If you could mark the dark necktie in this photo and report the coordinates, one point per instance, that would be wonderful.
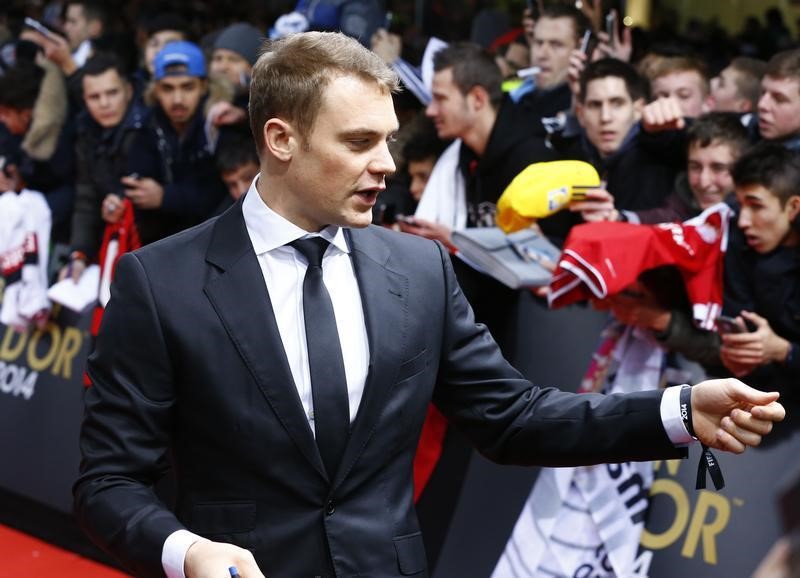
(328, 381)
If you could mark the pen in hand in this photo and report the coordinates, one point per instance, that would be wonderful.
(233, 572)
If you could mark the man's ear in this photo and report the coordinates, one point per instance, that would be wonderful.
(708, 104)
(479, 97)
(793, 204)
(579, 111)
(280, 139)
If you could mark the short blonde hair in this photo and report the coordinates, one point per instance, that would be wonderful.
(290, 77)
(673, 64)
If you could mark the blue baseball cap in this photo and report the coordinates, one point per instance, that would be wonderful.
(180, 58)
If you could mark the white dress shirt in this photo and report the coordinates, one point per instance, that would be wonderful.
(284, 270)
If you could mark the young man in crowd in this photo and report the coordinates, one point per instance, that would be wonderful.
(105, 134)
(737, 87)
(763, 284)
(779, 105)
(160, 30)
(683, 79)
(494, 138)
(494, 143)
(557, 32)
(84, 21)
(172, 180)
(237, 162)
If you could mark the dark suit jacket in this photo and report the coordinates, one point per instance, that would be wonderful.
(189, 368)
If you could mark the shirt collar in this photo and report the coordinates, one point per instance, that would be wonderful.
(268, 230)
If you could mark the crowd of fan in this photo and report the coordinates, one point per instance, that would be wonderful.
(145, 142)
(672, 128)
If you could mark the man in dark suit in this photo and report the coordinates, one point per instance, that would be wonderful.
(207, 360)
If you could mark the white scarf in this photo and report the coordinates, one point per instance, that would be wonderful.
(444, 200)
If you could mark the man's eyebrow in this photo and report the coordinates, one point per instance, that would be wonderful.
(365, 132)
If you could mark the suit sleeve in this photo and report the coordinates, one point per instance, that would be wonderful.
(512, 421)
(127, 422)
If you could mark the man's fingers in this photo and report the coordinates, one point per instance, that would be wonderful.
(742, 434)
(674, 110)
(757, 320)
(725, 441)
(747, 421)
(579, 206)
(773, 412)
(653, 115)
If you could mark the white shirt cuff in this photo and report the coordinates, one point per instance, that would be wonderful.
(173, 554)
(671, 417)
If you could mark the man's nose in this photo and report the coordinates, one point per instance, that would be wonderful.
(705, 178)
(383, 163)
(744, 219)
(763, 102)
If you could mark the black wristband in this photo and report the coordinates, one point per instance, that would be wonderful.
(708, 462)
(686, 409)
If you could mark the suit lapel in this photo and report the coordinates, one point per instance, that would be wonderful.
(240, 298)
(384, 297)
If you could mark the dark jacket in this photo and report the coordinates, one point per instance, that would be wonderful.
(511, 148)
(541, 103)
(101, 160)
(184, 167)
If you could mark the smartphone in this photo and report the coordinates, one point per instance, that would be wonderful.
(387, 21)
(611, 27)
(728, 325)
(586, 43)
(39, 27)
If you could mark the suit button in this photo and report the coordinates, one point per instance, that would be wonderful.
(330, 508)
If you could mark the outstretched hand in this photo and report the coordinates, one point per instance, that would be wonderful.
(730, 415)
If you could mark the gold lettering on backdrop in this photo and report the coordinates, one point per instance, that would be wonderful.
(675, 491)
(12, 345)
(708, 530)
(703, 521)
(40, 363)
(70, 347)
(54, 348)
